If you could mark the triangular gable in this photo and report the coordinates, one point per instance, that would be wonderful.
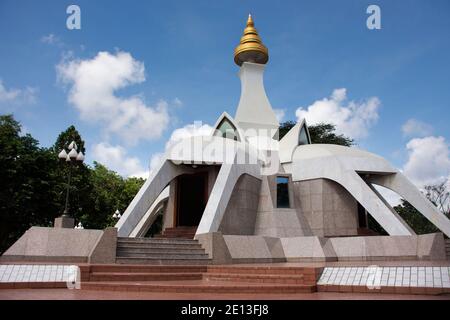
(226, 128)
(303, 136)
(297, 136)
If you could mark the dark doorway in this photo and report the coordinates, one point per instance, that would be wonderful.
(362, 217)
(191, 199)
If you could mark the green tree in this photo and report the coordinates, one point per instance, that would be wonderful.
(130, 188)
(27, 180)
(439, 196)
(110, 192)
(66, 137)
(106, 189)
(414, 218)
(33, 185)
(285, 127)
(436, 194)
(324, 133)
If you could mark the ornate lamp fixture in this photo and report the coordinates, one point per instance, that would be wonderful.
(117, 215)
(71, 158)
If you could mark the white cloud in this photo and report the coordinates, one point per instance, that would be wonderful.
(416, 128)
(115, 158)
(17, 96)
(351, 118)
(50, 39)
(428, 162)
(93, 93)
(279, 113)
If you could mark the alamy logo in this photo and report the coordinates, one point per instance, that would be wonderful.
(73, 21)
(374, 277)
(256, 148)
(73, 277)
(374, 20)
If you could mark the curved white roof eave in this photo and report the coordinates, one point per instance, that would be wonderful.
(197, 150)
(324, 157)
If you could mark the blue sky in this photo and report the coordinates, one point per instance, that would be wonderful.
(187, 48)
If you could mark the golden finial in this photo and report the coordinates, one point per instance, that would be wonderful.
(251, 48)
(250, 21)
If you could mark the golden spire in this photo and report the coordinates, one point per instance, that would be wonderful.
(251, 48)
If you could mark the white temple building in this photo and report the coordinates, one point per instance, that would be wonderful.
(248, 197)
(241, 195)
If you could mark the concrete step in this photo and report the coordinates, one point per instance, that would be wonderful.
(142, 239)
(183, 227)
(309, 274)
(199, 286)
(163, 260)
(115, 268)
(183, 232)
(159, 250)
(256, 278)
(180, 230)
(173, 236)
(159, 255)
(155, 241)
(145, 276)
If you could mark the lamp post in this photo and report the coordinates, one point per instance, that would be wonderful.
(117, 215)
(71, 158)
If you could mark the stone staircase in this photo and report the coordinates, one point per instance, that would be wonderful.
(201, 279)
(178, 232)
(162, 251)
(447, 248)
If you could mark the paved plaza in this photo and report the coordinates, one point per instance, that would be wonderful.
(66, 294)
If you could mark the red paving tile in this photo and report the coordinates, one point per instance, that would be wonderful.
(65, 294)
(276, 281)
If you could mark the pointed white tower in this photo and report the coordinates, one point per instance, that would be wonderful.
(254, 113)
